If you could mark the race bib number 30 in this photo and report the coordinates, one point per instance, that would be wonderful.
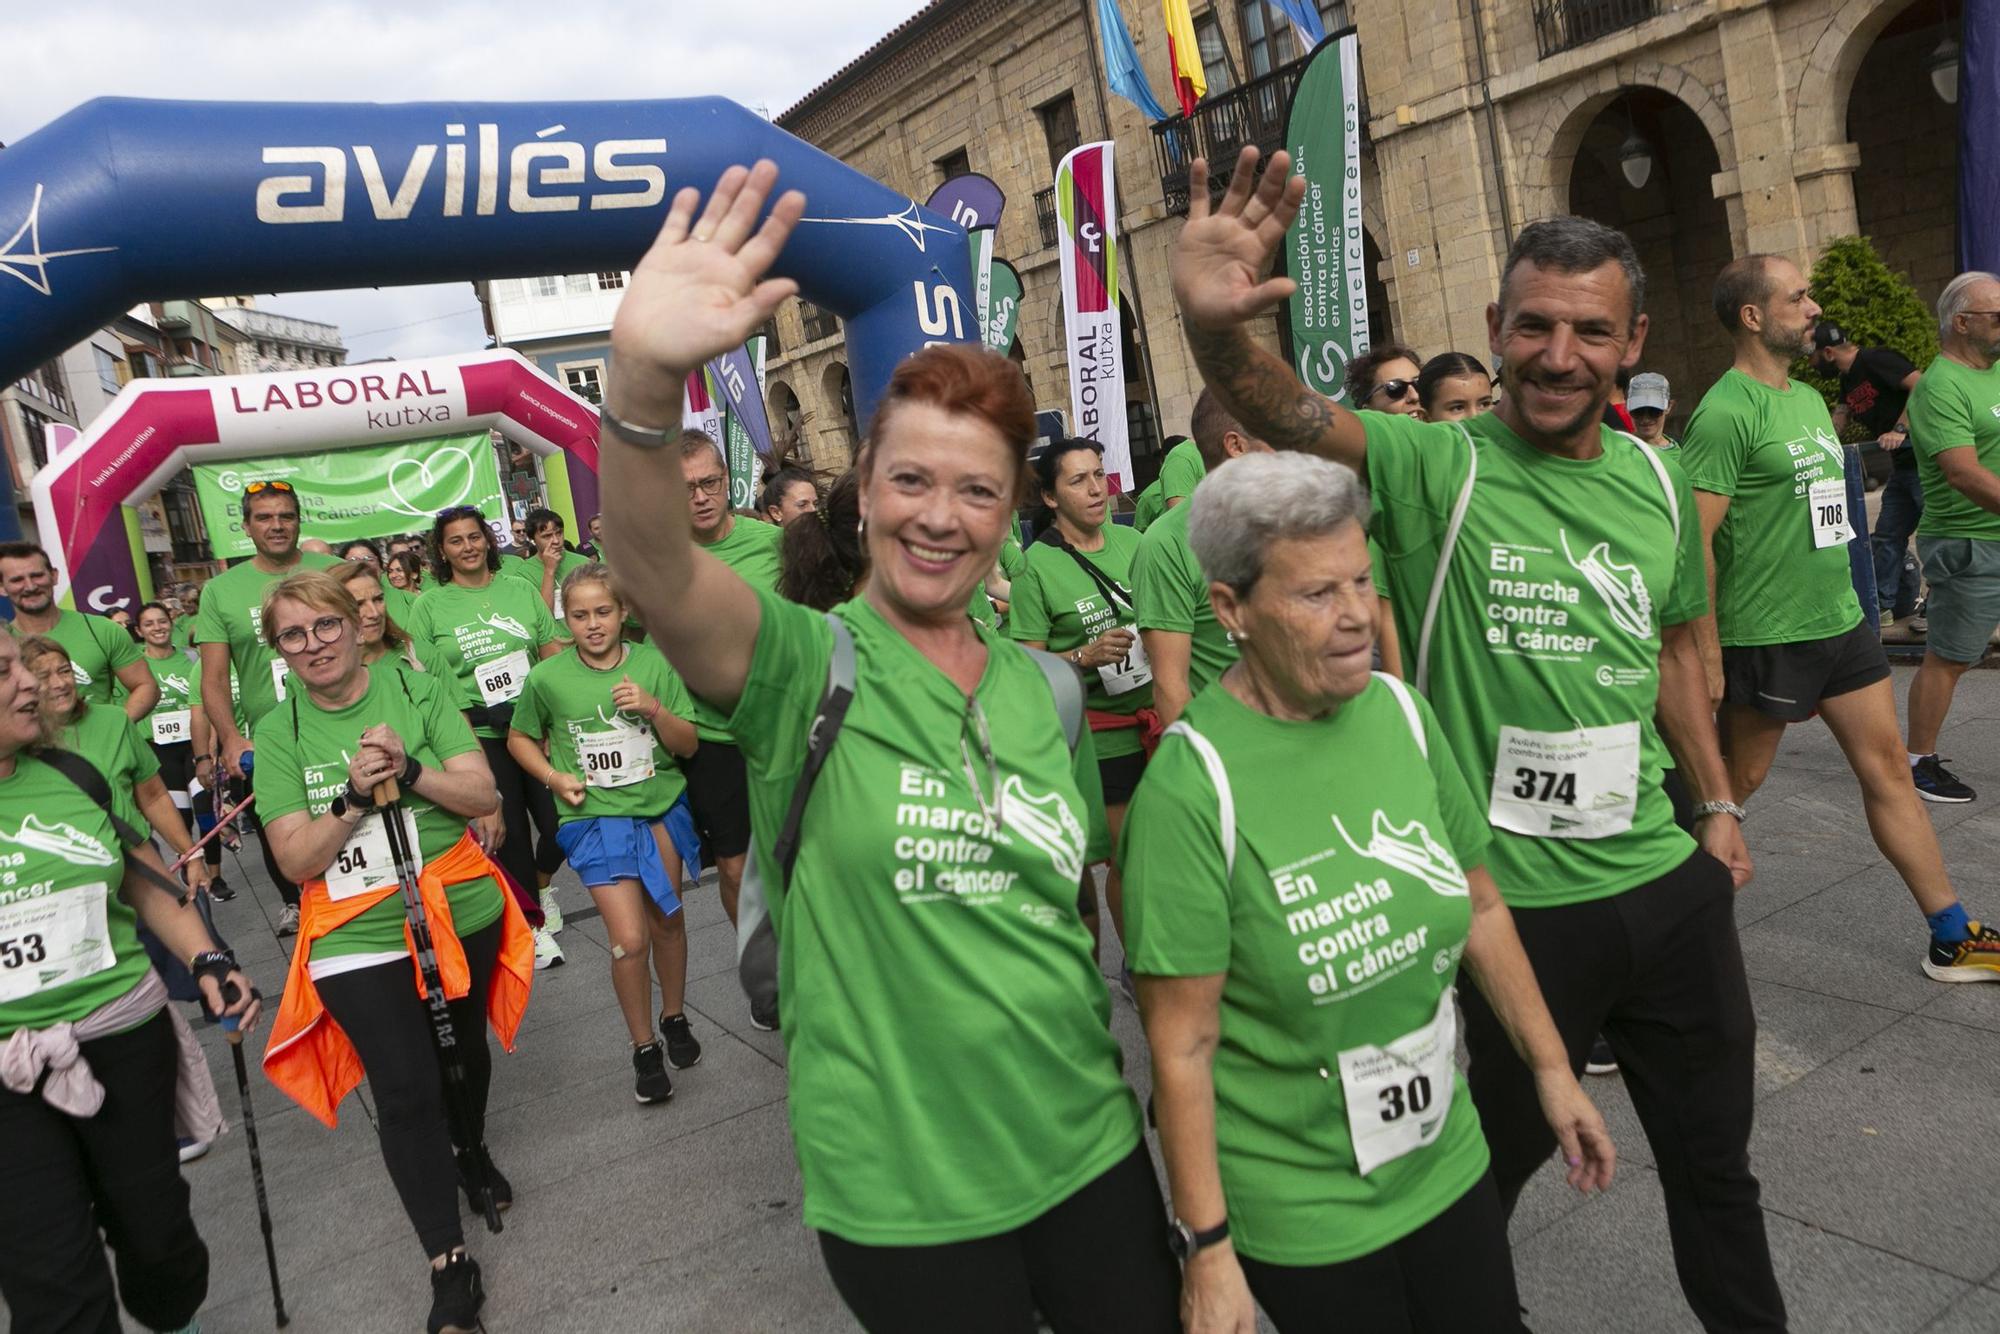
(500, 679)
(53, 940)
(1398, 1096)
(365, 862)
(1832, 525)
(617, 758)
(173, 727)
(1128, 673)
(1578, 784)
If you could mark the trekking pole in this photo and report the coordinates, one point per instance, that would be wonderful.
(444, 1034)
(235, 1032)
(221, 823)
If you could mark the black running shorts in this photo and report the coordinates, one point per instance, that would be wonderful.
(719, 798)
(1787, 681)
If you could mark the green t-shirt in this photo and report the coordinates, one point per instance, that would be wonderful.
(184, 632)
(485, 639)
(568, 702)
(751, 549)
(1180, 472)
(398, 603)
(1057, 604)
(178, 675)
(1173, 596)
(1340, 927)
(1767, 449)
(112, 742)
(952, 1070)
(68, 943)
(97, 649)
(1549, 622)
(531, 569)
(232, 613)
(303, 753)
(1954, 406)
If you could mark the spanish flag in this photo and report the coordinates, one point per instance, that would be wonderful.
(1190, 84)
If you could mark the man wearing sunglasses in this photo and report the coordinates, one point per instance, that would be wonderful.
(228, 634)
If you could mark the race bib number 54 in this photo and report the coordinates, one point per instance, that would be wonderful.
(1577, 784)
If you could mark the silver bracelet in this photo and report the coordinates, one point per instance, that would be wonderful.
(1708, 808)
(644, 437)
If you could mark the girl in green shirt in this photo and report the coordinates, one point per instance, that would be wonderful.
(968, 1147)
(602, 725)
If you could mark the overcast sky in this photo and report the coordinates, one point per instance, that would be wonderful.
(759, 52)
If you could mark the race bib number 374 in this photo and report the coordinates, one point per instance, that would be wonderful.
(1578, 784)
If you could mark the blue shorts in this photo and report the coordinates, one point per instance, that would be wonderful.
(608, 849)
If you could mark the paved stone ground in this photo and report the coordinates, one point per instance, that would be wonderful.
(1876, 1137)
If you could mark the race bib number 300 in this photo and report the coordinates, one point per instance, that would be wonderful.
(1578, 784)
(53, 940)
(500, 679)
(1399, 1095)
(618, 758)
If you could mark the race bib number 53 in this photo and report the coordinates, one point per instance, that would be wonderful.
(1577, 784)
(54, 940)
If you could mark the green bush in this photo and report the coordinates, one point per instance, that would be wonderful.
(1873, 304)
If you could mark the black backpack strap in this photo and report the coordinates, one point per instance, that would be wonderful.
(1115, 593)
(86, 776)
(820, 737)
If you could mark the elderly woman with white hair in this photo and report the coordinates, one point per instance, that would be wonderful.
(1304, 872)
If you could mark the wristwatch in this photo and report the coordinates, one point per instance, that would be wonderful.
(1708, 808)
(645, 437)
(1184, 1241)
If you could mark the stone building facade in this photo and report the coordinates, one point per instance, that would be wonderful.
(1770, 125)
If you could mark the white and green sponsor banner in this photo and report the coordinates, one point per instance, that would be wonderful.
(1328, 315)
(1002, 315)
(359, 491)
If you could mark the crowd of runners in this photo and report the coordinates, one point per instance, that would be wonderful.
(1432, 716)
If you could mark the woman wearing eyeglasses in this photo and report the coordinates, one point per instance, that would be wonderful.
(1385, 379)
(969, 1151)
(322, 756)
(483, 632)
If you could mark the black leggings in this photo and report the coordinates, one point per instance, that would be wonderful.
(390, 1025)
(64, 1178)
(1454, 1274)
(1096, 1262)
(528, 810)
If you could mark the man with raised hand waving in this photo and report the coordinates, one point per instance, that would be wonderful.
(1547, 574)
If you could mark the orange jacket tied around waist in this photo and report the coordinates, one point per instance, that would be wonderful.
(310, 1059)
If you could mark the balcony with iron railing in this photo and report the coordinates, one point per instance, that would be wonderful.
(1563, 25)
(1045, 214)
(1250, 113)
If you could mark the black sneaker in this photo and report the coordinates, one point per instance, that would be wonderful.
(764, 1019)
(456, 1296)
(1601, 1061)
(219, 890)
(649, 1071)
(1937, 783)
(503, 1190)
(682, 1049)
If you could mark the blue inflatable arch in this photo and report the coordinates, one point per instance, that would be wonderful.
(123, 201)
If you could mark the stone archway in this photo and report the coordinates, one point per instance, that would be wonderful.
(1826, 82)
(787, 420)
(838, 432)
(1553, 142)
(1906, 150)
(1680, 229)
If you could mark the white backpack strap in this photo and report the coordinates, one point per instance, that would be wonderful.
(1224, 800)
(1445, 549)
(1404, 698)
(1666, 482)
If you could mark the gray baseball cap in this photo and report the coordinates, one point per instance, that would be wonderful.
(1647, 390)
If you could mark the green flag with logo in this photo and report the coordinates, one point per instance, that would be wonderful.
(1328, 315)
(360, 491)
(1003, 307)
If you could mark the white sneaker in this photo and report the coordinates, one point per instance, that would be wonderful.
(288, 920)
(191, 1149)
(548, 954)
(551, 911)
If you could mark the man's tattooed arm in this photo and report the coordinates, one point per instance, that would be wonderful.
(1262, 393)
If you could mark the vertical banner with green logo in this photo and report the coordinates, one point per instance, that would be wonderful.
(739, 448)
(1328, 315)
(359, 491)
(1003, 308)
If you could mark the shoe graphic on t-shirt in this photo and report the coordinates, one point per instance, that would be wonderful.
(507, 625)
(1622, 587)
(1410, 849)
(62, 840)
(1047, 824)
